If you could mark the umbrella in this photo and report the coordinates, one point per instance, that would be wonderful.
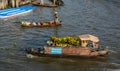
(89, 37)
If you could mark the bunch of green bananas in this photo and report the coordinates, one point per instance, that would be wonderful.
(66, 40)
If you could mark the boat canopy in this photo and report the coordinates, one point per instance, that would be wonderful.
(87, 37)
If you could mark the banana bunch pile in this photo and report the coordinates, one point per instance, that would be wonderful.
(66, 40)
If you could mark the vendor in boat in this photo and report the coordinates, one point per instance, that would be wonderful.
(56, 20)
(56, 14)
(95, 45)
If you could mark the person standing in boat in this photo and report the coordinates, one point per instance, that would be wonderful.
(55, 14)
(56, 18)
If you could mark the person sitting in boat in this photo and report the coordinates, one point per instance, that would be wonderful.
(95, 45)
(56, 19)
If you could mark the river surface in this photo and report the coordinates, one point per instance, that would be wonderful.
(97, 17)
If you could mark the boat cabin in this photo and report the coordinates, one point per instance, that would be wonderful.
(87, 39)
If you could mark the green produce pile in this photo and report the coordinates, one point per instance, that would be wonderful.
(25, 23)
(66, 40)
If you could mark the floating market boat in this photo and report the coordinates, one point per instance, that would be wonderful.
(70, 47)
(63, 52)
(15, 11)
(44, 5)
(41, 24)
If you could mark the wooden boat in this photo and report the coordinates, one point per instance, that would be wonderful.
(63, 52)
(41, 24)
(15, 11)
(70, 50)
(44, 5)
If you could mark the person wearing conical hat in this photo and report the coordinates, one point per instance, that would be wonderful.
(56, 17)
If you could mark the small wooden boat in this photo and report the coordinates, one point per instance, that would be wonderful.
(71, 49)
(41, 24)
(44, 5)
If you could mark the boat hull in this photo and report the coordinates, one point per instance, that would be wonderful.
(40, 26)
(65, 52)
(44, 5)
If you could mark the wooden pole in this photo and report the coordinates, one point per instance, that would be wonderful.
(17, 3)
(3, 4)
(13, 3)
(42, 2)
(9, 1)
(6, 3)
(54, 2)
(0, 5)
